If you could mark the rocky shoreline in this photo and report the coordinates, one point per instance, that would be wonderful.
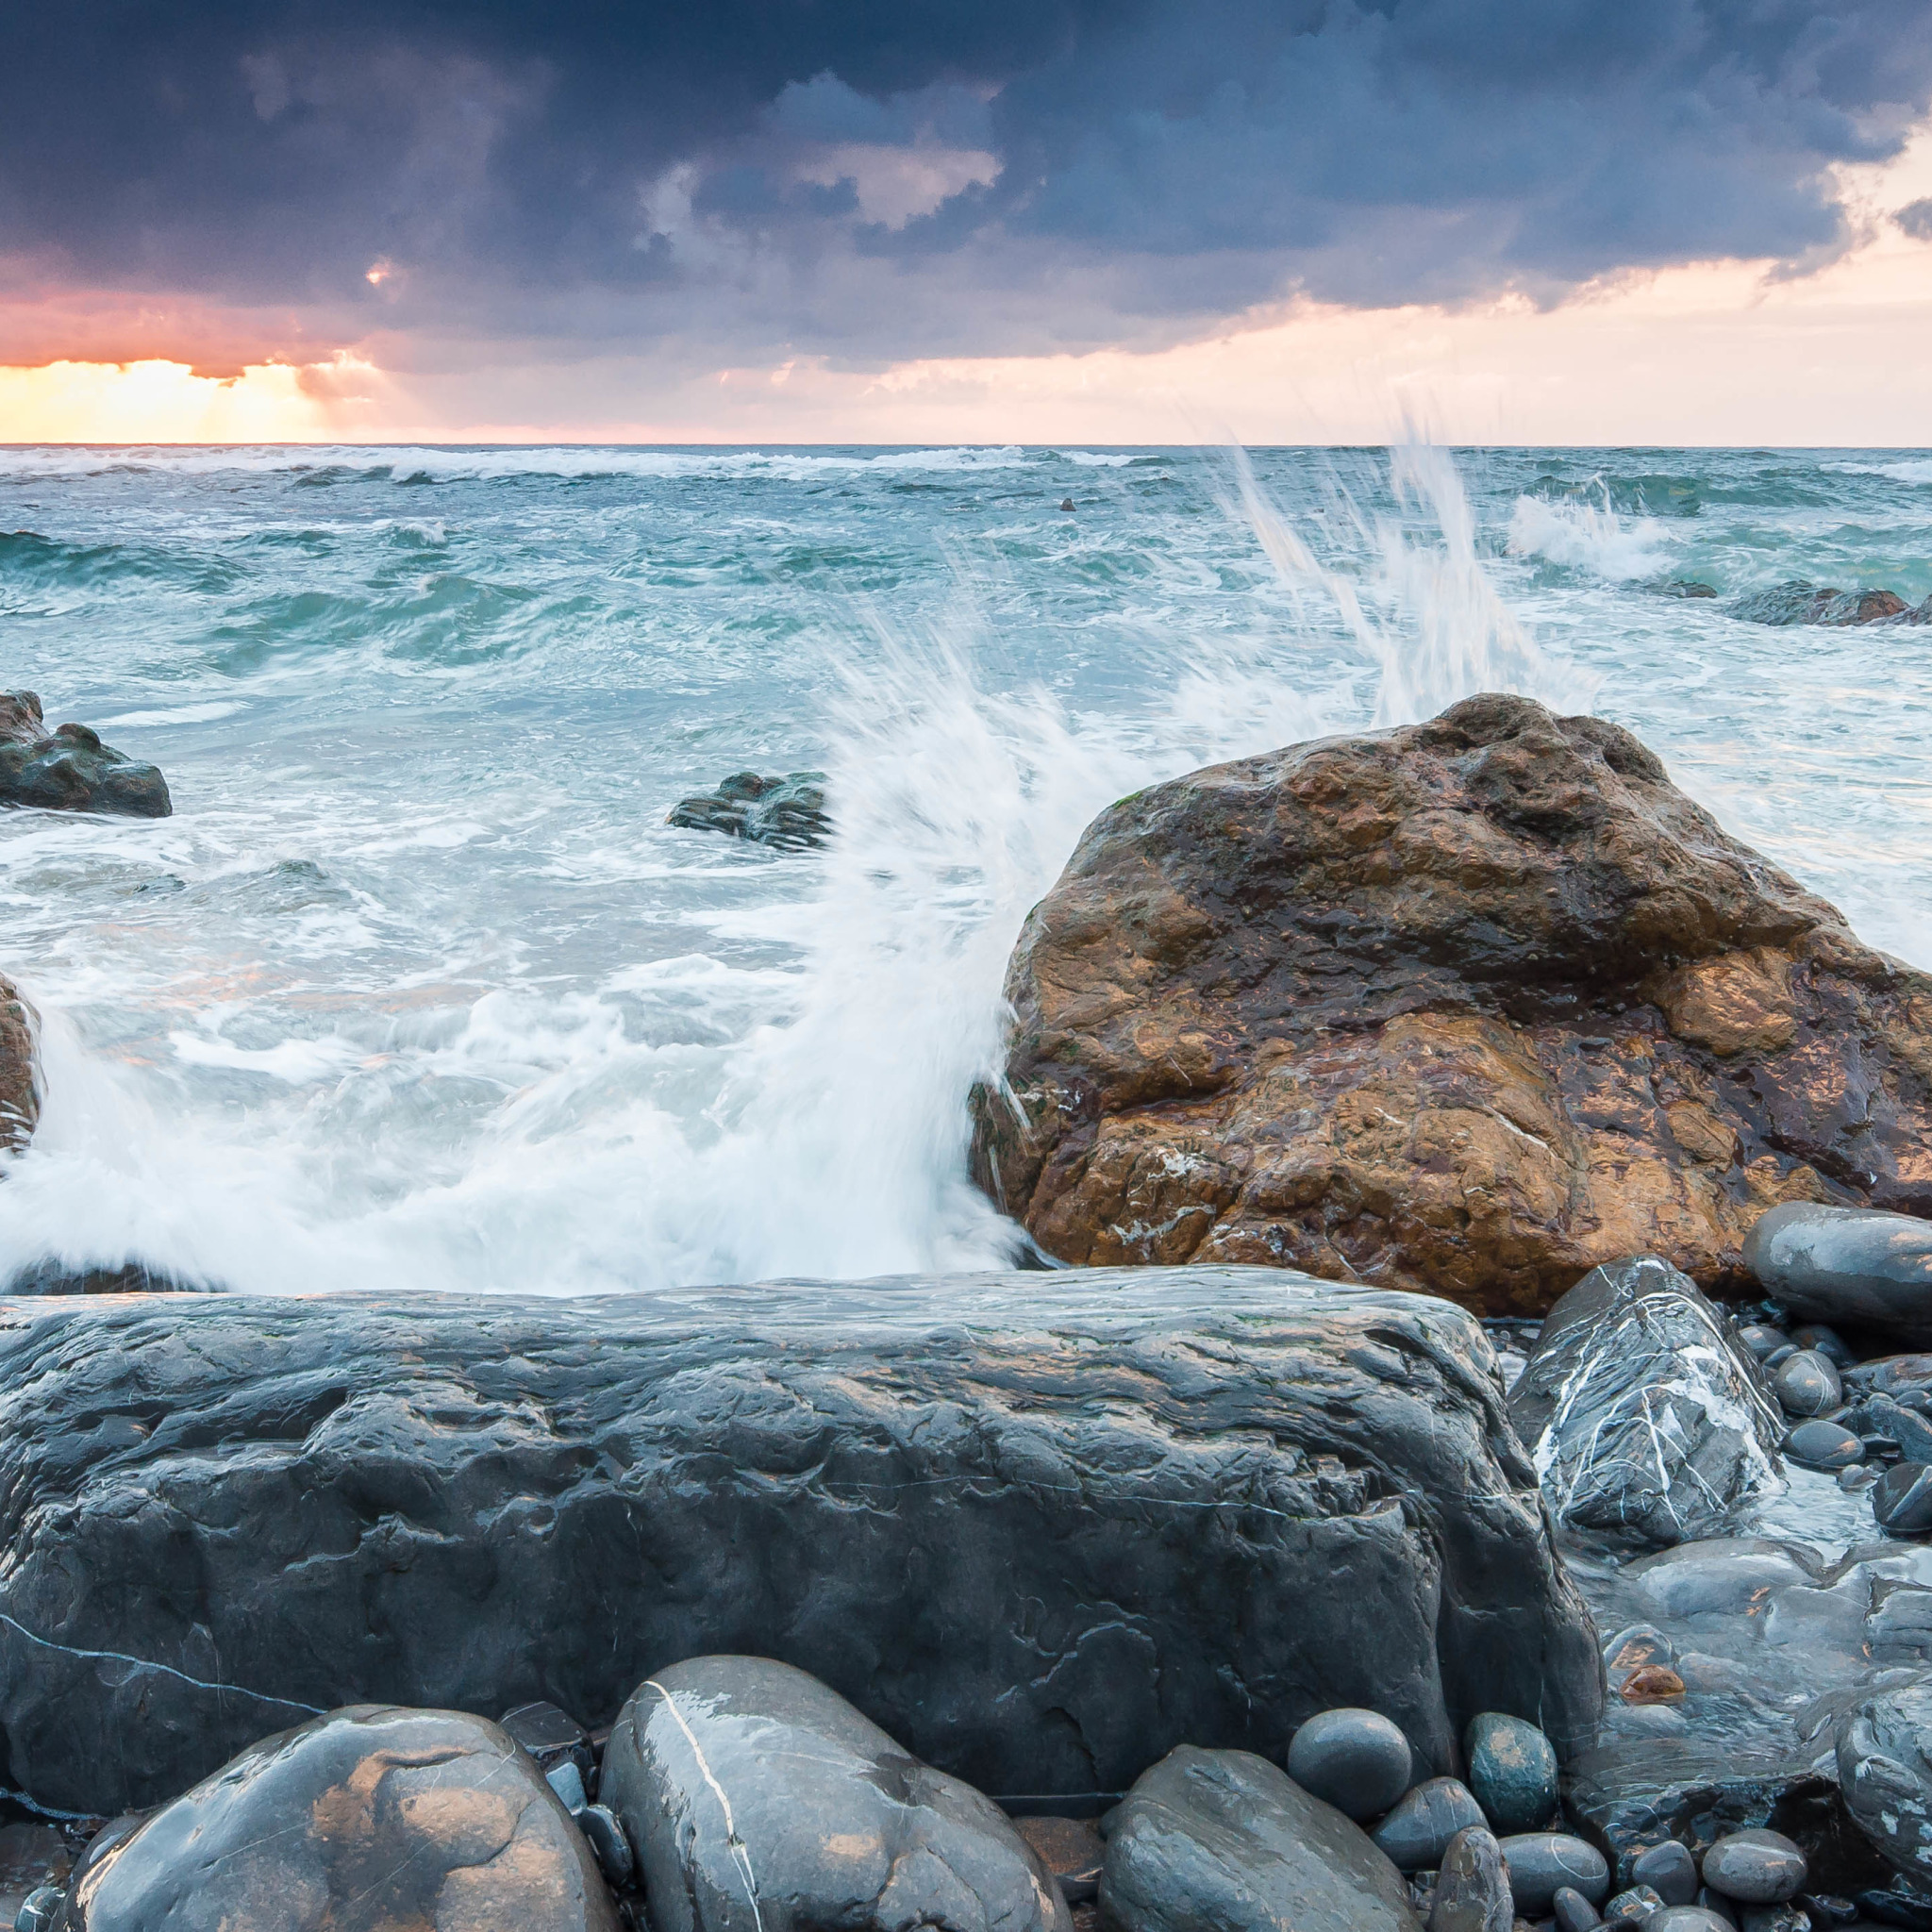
(1253, 1584)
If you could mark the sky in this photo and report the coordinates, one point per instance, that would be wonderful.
(1126, 220)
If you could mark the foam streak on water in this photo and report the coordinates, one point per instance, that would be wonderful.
(417, 988)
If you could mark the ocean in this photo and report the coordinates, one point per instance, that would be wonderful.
(417, 988)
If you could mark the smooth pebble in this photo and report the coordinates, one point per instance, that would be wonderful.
(1472, 1886)
(1807, 1384)
(1512, 1771)
(1902, 1498)
(1756, 1868)
(1417, 1832)
(1542, 1862)
(1356, 1760)
(1669, 1870)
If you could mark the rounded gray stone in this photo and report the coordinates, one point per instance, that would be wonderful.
(1356, 1760)
(1820, 1445)
(1472, 1893)
(1417, 1832)
(1828, 1342)
(1542, 1862)
(1756, 1868)
(1862, 1266)
(1762, 1340)
(1669, 1870)
(1902, 1498)
(1573, 1911)
(1807, 1384)
(1512, 1771)
(1686, 1918)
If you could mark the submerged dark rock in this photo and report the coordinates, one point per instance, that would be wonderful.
(1644, 1413)
(365, 1819)
(70, 769)
(1224, 1839)
(1798, 602)
(753, 1793)
(1857, 1267)
(788, 812)
(1086, 1499)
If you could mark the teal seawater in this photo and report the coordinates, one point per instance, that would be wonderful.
(417, 988)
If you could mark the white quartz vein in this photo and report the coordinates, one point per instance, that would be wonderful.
(731, 1837)
(141, 1663)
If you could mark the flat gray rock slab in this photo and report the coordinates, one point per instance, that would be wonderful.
(1861, 1267)
(754, 1795)
(1040, 1527)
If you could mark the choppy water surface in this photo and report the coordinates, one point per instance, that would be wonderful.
(418, 989)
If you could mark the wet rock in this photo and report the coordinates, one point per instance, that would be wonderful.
(1472, 1888)
(34, 1860)
(1669, 1870)
(1853, 1265)
(1807, 1384)
(752, 1791)
(1512, 1771)
(1418, 1830)
(1800, 603)
(1688, 1919)
(1686, 587)
(70, 769)
(39, 1910)
(1631, 1795)
(1820, 1445)
(1355, 1760)
(20, 1101)
(1088, 1493)
(1632, 1906)
(1653, 1684)
(1224, 1839)
(551, 1736)
(1543, 1863)
(606, 1837)
(1883, 1746)
(361, 1821)
(1886, 1907)
(1902, 1499)
(1472, 1006)
(1644, 1417)
(1763, 1342)
(1907, 1429)
(1828, 1343)
(1071, 1849)
(1754, 1867)
(1574, 1912)
(788, 812)
(51, 1275)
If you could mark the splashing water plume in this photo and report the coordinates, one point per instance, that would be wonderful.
(517, 1035)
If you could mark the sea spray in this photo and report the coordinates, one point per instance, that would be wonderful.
(419, 990)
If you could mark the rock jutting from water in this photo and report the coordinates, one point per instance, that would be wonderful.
(1473, 1007)
(1643, 1414)
(70, 769)
(1036, 1527)
(1798, 602)
(788, 812)
(753, 1793)
(361, 1821)
(19, 1098)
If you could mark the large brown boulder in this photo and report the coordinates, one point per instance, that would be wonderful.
(20, 1107)
(1471, 1006)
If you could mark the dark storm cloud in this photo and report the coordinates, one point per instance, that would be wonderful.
(868, 178)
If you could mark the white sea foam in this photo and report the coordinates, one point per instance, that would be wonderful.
(1588, 536)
